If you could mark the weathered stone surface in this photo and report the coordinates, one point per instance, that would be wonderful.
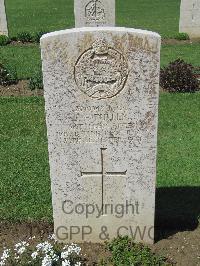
(101, 95)
(94, 13)
(3, 21)
(190, 18)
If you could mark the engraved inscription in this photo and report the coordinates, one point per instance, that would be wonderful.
(94, 12)
(101, 71)
(105, 124)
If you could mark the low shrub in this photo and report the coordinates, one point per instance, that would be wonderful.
(179, 76)
(36, 82)
(38, 35)
(27, 37)
(24, 37)
(8, 76)
(4, 40)
(125, 252)
(182, 36)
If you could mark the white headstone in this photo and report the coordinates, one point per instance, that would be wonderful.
(190, 18)
(94, 13)
(3, 21)
(101, 88)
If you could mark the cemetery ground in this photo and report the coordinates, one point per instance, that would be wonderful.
(25, 199)
(25, 185)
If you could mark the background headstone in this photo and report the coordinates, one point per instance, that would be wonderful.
(3, 21)
(190, 18)
(101, 88)
(94, 13)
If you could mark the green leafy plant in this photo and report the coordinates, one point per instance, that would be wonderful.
(36, 82)
(4, 40)
(24, 37)
(27, 37)
(182, 36)
(125, 252)
(179, 76)
(8, 76)
(38, 35)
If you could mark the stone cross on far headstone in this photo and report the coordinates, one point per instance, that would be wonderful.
(190, 18)
(94, 13)
(3, 21)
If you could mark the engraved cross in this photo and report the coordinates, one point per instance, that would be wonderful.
(103, 173)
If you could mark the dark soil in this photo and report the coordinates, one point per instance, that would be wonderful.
(182, 248)
(164, 41)
(19, 89)
(178, 42)
(19, 43)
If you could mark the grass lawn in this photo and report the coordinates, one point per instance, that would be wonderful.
(157, 15)
(189, 52)
(26, 59)
(24, 170)
(32, 16)
(24, 179)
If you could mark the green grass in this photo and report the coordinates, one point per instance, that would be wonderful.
(32, 16)
(179, 142)
(188, 52)
(26, 59)
(24, 177)
(156, 15)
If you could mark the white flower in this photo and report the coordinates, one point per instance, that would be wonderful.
(66, 263)
(4, 257)
(47, 261)
(74, 248)
(34, 255)
(52, 237)
(25, 244)
(18, 245)
(31, 238)
(5, 254)
(53, 256)
(64, 255)
(78, 264)
(45, 247)
(21, 250)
